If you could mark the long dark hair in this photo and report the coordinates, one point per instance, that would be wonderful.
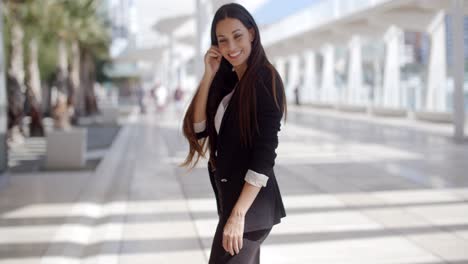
(259, 72)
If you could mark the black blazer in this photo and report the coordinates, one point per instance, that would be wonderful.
(234, 160)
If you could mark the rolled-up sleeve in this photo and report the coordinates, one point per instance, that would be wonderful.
(200, 126)
(256, 179)
(265, 140)
(200, 129)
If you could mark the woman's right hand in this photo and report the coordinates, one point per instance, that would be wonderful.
(212, 60)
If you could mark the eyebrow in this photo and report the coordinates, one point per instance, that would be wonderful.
(232, 33)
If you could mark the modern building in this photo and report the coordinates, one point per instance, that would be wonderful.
(123, 27)
(383, 57)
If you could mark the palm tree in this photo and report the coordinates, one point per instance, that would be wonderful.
(27, 23)
(79, 26)
(14, 13)
(90, 43)
(35, 28)
(93, 45)
(74, 30)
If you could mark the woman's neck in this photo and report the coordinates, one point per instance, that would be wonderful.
(240, 70)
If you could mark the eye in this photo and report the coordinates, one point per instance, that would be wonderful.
(237, 36)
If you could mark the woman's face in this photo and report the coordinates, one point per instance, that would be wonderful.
(234, 40)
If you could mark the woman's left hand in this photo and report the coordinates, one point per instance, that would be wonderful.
(233, 234)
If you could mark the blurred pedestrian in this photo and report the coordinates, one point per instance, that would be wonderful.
(297, 95)
(141, 99)
(236, 115)
(178, 100)
(161, 97)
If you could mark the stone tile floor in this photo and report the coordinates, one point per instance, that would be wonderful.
(356, 191)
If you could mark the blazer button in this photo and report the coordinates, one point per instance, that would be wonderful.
(223, 180)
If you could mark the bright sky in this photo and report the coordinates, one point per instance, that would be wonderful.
(274, 10)
(264, 11)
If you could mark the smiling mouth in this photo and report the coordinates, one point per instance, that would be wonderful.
(235, 55)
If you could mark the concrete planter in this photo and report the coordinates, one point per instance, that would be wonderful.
(66, 149)
(351, 108)
(127, 110)
(437, 117)
(109, 115)
(86, 120)
(320, 105)
(389, 112)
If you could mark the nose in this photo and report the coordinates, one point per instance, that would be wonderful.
(231, 46)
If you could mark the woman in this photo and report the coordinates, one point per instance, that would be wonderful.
(235, 115)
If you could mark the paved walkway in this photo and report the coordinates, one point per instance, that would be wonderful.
(355, 191)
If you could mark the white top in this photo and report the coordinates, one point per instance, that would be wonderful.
(252, 177)
(221, 109)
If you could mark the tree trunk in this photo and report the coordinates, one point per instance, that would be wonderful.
(88, 78)
(17, 58)
(76, 95)
(33, 92)
(15, 84)
(61, 111)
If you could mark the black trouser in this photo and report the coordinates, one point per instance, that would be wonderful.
(249, 254)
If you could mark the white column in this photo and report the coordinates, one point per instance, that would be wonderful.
(170, 64)
(328, 89)
(165, 79)
(458, 70)
(436, 96)
(188, 82)
(208, 12)
(377, 89)
(355, 78)
(308, 92)
(391, 83)
(293, 77)
(198, 63)
(280, 65)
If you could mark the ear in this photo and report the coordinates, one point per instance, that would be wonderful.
(251, 34)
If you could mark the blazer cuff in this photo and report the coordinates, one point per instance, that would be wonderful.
(200, 126)
(256, 179)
